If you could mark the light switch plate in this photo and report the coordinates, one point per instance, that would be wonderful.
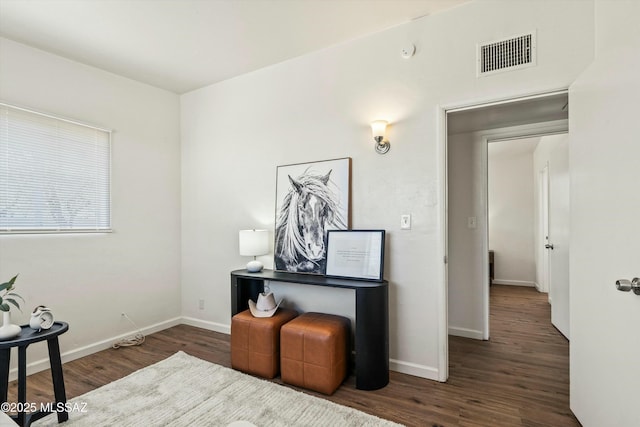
(405, 222)
(471, 222)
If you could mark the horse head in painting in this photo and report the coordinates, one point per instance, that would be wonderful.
(309, 209)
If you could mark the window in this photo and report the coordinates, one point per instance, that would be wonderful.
(54, 174)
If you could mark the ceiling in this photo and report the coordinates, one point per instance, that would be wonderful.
(515, 113)
(513, 147)
(182, 45)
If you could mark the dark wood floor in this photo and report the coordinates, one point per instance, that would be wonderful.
(520, 377)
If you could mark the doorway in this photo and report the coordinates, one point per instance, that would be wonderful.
(468, 132)
(511, 205)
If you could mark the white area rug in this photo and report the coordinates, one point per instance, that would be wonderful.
(183, 390)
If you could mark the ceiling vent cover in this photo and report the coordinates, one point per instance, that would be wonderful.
(507, 54)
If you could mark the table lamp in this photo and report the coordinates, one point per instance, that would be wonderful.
(254, 243)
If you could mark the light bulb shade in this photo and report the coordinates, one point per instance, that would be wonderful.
(379, 128)
(254, 242)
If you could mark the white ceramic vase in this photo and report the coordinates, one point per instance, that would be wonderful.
(8, 330)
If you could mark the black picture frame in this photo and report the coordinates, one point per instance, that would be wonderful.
(355, 254)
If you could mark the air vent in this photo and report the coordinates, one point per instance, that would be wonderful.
(507, 54)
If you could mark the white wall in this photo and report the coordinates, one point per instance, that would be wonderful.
(604, 154)
(319, 106)
(89, 279)
(511, 211)
(466, 155)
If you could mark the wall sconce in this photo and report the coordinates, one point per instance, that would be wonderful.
(254, 243)
(378, 129)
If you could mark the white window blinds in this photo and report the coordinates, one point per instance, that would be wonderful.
(54, 174)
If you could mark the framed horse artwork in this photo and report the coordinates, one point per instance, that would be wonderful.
(311, 198)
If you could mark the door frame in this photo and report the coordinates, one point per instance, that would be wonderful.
(543, 228)
(559, 236)
(442, 143)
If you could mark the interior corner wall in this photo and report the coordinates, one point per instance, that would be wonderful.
(511, 211)
(88, 280)
(319, 106)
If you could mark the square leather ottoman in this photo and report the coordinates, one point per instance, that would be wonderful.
(314, 351)
(255, 342)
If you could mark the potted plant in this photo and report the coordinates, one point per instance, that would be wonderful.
(7, 299)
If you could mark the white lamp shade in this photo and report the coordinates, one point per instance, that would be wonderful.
(379, 128)
(254, 242)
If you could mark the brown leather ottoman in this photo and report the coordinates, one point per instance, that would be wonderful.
(255, 342)
(314, 351)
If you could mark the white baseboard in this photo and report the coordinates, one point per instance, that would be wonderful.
(465, 333)
(513, 282)
(539, 288)
(414, 369)
(205, 324)
(43, 364)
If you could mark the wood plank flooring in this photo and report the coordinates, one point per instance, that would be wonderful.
(520, 377)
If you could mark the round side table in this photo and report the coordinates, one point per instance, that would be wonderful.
(29, 336)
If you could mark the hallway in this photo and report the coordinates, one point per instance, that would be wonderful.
(521, 375)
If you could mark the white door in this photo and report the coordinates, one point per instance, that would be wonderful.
(605, 231)
(543, 253)
(558, 243)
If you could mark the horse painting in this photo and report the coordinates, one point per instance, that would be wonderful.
(308, 210)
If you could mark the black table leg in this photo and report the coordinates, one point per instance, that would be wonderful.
(22, 382)
(372, 338)
(5, 356)
(57, 377)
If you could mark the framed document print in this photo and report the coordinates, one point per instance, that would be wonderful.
(355, 254)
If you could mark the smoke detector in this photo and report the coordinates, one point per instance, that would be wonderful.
(408, 51)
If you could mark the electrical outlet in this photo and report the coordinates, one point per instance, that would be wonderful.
(201, 304)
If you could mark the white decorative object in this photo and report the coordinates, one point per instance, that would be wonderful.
(8, 330)
(265, 306)
(41, 318)
(254, 243)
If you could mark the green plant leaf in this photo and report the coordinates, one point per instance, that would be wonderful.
(13, 295)
(14, 302)
(8, 285)
(4, 307)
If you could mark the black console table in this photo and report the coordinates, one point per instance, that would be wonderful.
(28, 336)
(372, 316)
